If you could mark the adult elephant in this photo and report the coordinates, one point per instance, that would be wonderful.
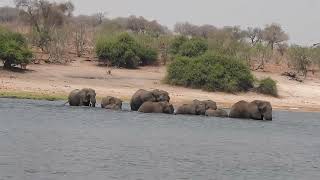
(142, 96)
(156, 107)
(257, 110)
(111, 103)
(203, 106)
(83, 97)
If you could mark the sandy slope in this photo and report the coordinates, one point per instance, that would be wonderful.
(123, 83)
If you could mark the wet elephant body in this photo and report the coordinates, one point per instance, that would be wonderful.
(142, 96)
(83, 97)
(156, 107)
(111, 103)
(257, 110)
(196, 107)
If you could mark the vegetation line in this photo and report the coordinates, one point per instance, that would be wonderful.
(32, 95)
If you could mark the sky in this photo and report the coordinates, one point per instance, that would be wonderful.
(299, 18)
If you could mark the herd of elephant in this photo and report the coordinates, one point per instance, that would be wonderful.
(158, 101)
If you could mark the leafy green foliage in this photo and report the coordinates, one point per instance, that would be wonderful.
(268, 86)
(124, 51)
(13, 49)
(176, 44)
(193, 47)
(213, 72)
(188, 47)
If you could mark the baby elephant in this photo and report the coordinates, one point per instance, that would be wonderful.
(217, 113)
(111, 103)
(156, 107)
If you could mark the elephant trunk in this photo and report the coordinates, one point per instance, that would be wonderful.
(267, 116)
(92, 102)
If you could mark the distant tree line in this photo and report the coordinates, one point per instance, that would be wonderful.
(53, 28)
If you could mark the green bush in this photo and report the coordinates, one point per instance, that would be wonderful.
(147, 56)
(176, 43)
(188, 47)
(13, 49)
(193, 47)
(124, 51)
(268, 86)
(212, 72)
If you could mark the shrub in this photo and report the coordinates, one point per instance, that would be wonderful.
(124, 51)
(188, 47)
(13, 49)
(147, 56)
(268, 86)
(176, 43)
(300, 58)
(212, 72)
(193, 47)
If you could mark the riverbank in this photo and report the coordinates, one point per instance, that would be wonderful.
(54, 82)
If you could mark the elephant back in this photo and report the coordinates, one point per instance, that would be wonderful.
(73, 98)
(139, 98)
(161, 95)
(186, 109)
(240, 110)
(110, 102)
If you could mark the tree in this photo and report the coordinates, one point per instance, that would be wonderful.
(176, 44)
(44, 16)
(124, 51)
(99, 17)
(79, 39)
(13, 49)
(137, 24)
(262, 53)
(301, 58)
(255, 35)
(142, 25)
(274, 34)
(193, 47)
(282, 48)
(186, 29)
(8, 14)
(205, 30)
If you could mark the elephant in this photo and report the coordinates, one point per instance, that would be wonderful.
(217, 113)
(156, 107)
(195, 108)
(210, 104)
(142, 96)
(186, 109)
(111, 103)
(203, 106)
(161, 95)
(257, 110)
(83, 97)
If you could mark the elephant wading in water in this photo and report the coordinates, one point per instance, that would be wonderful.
(142, 96)
(196, 107)
(111, 103)
(156, 107)
(257, 110)
(83, 97)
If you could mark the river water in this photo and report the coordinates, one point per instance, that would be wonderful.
(41, 140)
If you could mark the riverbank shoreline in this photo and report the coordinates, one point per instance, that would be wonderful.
(55, 82)
(64, 97)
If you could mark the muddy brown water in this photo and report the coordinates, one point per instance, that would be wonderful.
(41, 140)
